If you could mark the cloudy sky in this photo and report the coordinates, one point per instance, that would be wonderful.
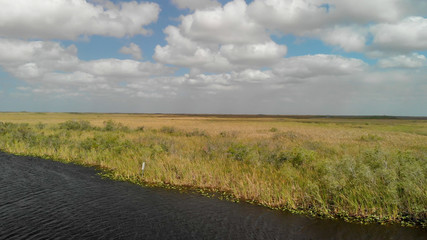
(342, 57)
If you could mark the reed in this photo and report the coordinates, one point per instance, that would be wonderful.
(369, 170)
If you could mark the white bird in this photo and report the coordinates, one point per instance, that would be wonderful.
(142, 168)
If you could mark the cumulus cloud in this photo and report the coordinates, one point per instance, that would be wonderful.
(209, 82)
(33, 59)
(193, 5)
(63, 19)
(349, 38)
(123, 69)
(219, 39)
(52, 68)
(366, 11)
(410, 34)
(289, 16)
(227, 25)
(133, 50)
(345, 24)
(310, 66)
(76, 78)
(253, 75)
(184, 52)
(253, 54)
(237, 35)
(413, 60)
(302, 16)
(199, 84)
(228, 80)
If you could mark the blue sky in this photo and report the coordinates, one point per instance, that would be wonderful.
(208, 56)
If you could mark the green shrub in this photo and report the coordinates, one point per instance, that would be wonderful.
(106, 142)
(40, 125)
(273, 129)
(110, 125)
(300, 157)
(197, 133)
(6, 127)
(75, 125)
(168, 130)
(238, 151)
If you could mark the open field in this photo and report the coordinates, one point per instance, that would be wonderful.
(354, 168)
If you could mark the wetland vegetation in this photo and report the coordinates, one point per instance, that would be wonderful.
(357, 169)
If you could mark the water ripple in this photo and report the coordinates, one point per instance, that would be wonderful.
(42, 199)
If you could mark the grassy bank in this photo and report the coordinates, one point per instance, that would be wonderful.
(357, 169)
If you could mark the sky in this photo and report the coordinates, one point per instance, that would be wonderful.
(307, 57)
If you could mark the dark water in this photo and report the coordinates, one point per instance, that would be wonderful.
(42, 199)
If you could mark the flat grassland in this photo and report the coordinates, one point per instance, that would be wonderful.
(357, 169)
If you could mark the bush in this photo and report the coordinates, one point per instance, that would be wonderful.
(6, 127)
(104, 142)
(168, 130)
(300, 157)
(75, 125)
(196, 132)
(110, 125)
(238, 151)
(273, 129)
(40, 125)
(278, 158)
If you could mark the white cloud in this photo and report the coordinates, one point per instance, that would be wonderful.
(219, 39)
(311, 66)
(198, 84)
(365, 11)
(349, 38)
(50, 68)
(227, 25)
(123, 70)
(259, 54)
(252, 75)
(212, 82)
(347, 25)
(17, 51)
(133, 50)
(226, 81)
(193, 5)
(77, 78)
(288, 16)
(184, 52)
(413, 60)
(62, 19)
(410, 34)
(396, 28)
(33, 59)
(303, 16)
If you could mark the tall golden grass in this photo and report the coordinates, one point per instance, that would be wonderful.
(357, 169)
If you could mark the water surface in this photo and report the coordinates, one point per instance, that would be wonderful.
(43, 199)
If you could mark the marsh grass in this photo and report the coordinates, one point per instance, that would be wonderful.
(368, 170)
